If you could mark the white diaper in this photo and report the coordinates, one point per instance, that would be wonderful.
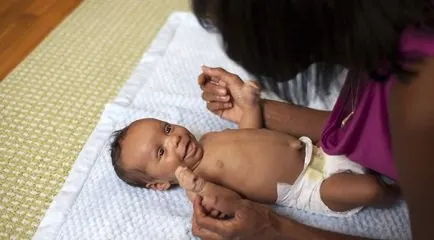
(305, 192)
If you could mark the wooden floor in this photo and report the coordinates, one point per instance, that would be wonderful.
(24, 24)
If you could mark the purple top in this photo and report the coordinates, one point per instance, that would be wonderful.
(365, 138)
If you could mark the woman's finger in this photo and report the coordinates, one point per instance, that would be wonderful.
(216, 73)
(202, 221)
(212, 97)
(210, 87)
(223, 76)
(218, 82)
(204, 233)
(217, 107)
(205, 80)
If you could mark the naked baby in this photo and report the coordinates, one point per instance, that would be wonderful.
(259, 164)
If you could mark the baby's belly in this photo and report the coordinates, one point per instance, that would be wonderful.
(254, 170)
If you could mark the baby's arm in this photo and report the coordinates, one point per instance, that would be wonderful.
(196, 185)
(252, 112)
(252, 118)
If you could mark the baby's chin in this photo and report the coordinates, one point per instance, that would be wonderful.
(193, 161)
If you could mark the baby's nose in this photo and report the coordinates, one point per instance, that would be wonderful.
(174, 140)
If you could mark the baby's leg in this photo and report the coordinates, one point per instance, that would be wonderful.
(346, 191)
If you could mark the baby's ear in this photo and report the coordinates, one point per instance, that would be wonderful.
(160, 186)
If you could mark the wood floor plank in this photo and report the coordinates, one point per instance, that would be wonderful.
(24, 24)
(38, 8)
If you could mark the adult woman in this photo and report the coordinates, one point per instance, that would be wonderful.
(388, 47)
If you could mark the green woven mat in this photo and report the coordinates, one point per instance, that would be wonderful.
(51, 102)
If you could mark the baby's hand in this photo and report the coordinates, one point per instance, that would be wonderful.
(209, 191)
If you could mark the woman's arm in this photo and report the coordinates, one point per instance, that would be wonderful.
(294, 120)
(289, 229)
(412, 129)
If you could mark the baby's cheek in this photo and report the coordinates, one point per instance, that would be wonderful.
(174, 162)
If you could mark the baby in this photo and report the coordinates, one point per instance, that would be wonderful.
(259, 164)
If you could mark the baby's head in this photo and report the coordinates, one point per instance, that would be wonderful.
(147, 153)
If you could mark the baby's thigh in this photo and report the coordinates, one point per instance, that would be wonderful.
(351, 190)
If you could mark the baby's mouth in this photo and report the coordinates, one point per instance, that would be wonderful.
(189, 148)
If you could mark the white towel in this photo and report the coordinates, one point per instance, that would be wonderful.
(95, 204)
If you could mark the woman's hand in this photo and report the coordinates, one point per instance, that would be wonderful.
(243, 219)
(249, 220)
(226, 94)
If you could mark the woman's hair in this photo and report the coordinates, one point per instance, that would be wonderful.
(277, 39)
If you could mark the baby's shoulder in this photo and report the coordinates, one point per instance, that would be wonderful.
(207, 136)
(216, 135)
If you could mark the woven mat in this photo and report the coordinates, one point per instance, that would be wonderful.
(51, 102)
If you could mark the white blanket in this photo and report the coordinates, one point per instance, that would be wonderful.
(95, 204)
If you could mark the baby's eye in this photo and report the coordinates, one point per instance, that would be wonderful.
(160, 152)
(167, 128)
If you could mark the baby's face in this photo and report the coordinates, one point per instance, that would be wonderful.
(158, 148)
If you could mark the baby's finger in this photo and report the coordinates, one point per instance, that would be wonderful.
(189, 181)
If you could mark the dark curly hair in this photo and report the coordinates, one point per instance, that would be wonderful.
(277, 39)
(132, 177)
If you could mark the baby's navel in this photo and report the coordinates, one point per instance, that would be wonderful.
(219, 164)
